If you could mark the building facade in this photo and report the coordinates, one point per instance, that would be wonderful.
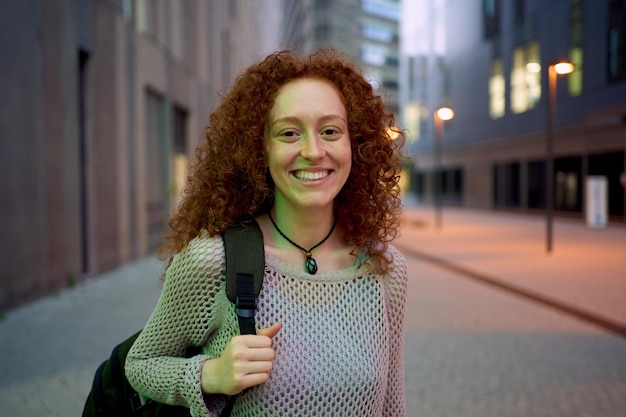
(103, 104)
(493, 71)
(366, 30)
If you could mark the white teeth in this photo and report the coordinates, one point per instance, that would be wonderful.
(310, 176)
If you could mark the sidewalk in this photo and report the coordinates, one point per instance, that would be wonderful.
(584, 275)
(50, 349)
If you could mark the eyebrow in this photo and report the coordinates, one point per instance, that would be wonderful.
(295, 119)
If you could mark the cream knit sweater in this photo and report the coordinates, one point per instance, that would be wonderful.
(339, 352)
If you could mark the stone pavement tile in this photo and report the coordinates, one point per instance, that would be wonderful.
(50, 349)
(472, 350)
(587, 268)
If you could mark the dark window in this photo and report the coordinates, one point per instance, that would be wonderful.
(390, 84)
(568, 184)
(512, 185)
(506, 185)
(617, 40)
(179, 130)
(491, 18)
(537, 184)
(576, 23)
(392, 61)
(453, 186)
(418, 184)
(156, 169)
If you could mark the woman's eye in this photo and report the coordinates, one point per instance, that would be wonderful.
(289, 134)
(330, 132)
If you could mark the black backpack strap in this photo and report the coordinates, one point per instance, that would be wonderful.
(245, 303)
(245, 267)
(97, 392)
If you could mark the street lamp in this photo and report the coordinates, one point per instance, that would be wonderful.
(558, 68)
(440, 115)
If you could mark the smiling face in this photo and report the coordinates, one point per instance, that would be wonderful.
(307, 144)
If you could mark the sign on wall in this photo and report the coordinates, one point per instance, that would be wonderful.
(596, 206)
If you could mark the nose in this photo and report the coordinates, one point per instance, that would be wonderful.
(312, 148)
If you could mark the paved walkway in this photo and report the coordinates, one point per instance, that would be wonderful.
(584, 275)
(50, 349)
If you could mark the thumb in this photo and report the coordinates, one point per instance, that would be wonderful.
(270, 331)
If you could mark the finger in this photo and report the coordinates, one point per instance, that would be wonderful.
(259, 367)
(270, 331)
(253, 373)
(253, 342)
(261, 354)
(251, 380)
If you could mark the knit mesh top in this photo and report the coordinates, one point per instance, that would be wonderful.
(340, 351)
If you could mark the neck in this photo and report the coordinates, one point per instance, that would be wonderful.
(304, 227)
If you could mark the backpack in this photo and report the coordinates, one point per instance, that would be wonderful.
(112, 395)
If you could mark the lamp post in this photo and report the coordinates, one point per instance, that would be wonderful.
(440, 115)
(558, 68)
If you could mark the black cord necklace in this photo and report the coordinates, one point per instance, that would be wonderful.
(310, 265)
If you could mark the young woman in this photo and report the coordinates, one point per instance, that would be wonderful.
(302, 146)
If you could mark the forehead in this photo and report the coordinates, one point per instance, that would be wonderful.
(307, 96)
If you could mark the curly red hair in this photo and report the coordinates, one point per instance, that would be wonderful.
(230, 183)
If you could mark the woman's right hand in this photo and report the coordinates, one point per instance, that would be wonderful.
(246, 362)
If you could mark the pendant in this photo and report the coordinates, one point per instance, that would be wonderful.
(310, 265)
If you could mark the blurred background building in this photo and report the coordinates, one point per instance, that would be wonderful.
(488, 60)
(367, 30)
(104, 101)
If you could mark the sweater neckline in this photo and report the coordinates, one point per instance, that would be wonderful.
(287, 269)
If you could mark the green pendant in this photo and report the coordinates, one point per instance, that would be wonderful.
(310, 265)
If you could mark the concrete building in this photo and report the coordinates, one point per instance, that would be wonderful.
(493, 71)
(367, 30)
(103, 102)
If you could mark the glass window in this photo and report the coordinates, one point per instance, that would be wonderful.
(156, 166)
(491, 18)
(617, 40)
(179, 159)
(384, 8)
(497, 93)
(147, 17)
(378, 31)
(575, 79)
(374, 54)
(525, 78)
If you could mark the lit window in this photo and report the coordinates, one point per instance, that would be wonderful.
(378, 31)
(575, 79)
(384, 8)
(525, 78)
(374, 54)
(497, 90)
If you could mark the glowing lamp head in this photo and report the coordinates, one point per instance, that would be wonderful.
(563, 68)
(445, 113)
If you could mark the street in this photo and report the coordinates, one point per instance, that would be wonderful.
(472, 349)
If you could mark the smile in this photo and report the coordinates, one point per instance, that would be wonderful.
(311, 176)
